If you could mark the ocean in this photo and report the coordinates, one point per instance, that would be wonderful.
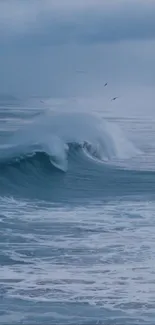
(77, 207)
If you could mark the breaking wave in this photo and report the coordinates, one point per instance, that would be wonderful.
(57, 136)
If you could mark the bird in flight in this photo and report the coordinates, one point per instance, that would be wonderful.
(114, 98)
(105, 84)
(80, 71)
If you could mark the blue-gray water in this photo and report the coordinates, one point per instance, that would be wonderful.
(77, 215)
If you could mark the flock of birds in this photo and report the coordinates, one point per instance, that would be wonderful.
(82, 71)
(105, 85)
(114, 98)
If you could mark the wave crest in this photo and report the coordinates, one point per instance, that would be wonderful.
(55, 134)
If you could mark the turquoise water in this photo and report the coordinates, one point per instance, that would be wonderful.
(77, 215)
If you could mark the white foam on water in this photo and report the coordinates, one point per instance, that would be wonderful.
(107, 253)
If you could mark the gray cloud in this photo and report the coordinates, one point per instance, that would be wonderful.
(43, 43)
(44, 23)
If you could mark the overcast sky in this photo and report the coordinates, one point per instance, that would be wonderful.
(70, 47)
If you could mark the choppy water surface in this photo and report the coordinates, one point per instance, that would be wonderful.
(77, 216)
